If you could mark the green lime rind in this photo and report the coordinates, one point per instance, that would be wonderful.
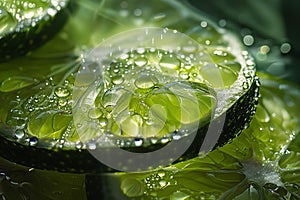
(27, 24)
(19, 181)
(247, 168)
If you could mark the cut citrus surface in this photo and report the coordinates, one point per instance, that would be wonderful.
(36, 114)
(262, 163)
(26, 24)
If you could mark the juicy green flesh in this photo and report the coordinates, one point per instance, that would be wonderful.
(263, 162)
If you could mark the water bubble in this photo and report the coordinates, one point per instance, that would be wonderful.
(169, 62)
(102, 121)
(184, 75)
(33, 141)
(117, 80)
(222, 22)
(92, 146)
(62, 92)
(203, 24)
(264, 49)
(19, 133)
(140, 61)
(145, 82)
(285, 48)
(248, 40)
(138, 12)
(138, 142)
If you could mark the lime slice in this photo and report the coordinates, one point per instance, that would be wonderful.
(26, 24)
(262, 163)
(36, 115)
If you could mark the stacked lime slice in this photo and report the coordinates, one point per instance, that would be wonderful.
(26, 24)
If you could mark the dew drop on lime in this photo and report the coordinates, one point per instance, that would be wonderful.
(102, 121)
(184, 75)
(169, 61)
(33, 141)
(19, 133)
(117, 80)
(145, 82)
(140, 61)
(62, 92)
(138, 142)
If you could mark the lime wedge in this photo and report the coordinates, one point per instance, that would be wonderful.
(259, 164)
(26, 24)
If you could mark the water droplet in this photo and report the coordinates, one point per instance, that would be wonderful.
(19, 133)
(62, 92)
(169, 62)
(92, 146)
(102, 121)
(264, 49)
(33, 141)
(285, 48)
(138, 12)
(117, 80)
(203, 24)
(184, 75)
(138, 142)
(146, 81)
(222, 22)
(248, 40)
(140, 61)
